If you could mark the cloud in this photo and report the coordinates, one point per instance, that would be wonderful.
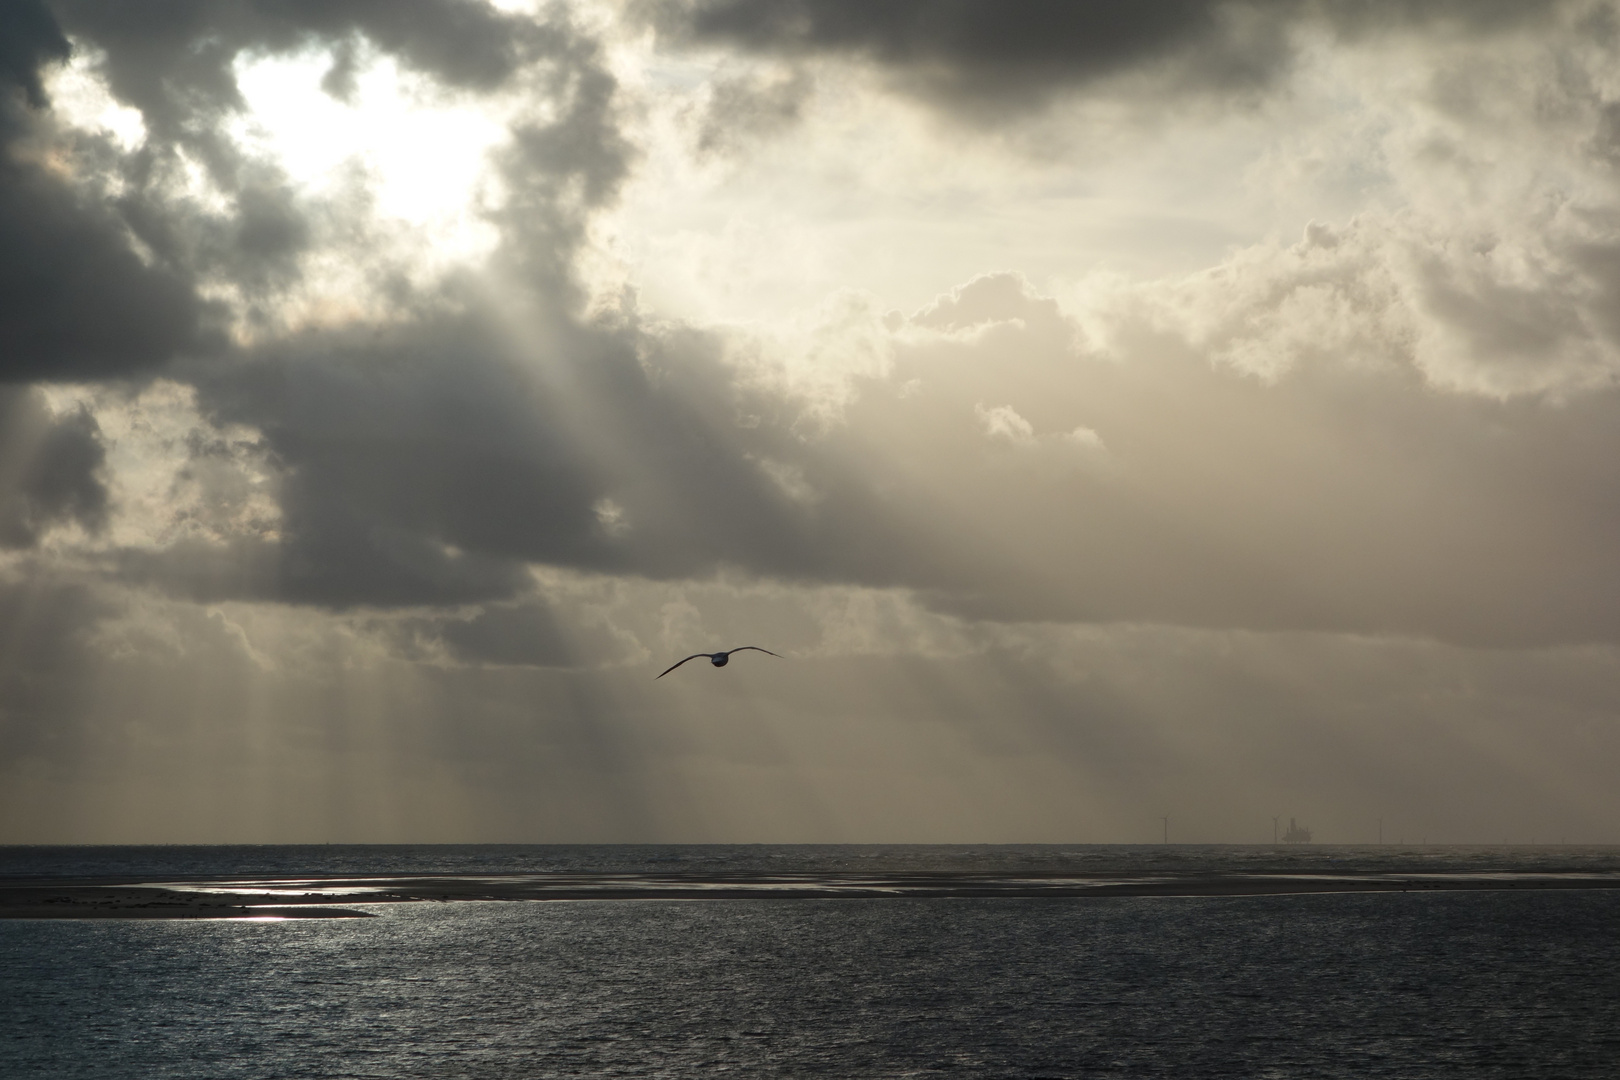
(175, 63)
(29, 38)
(746, 108)
(386, 495)
(1339, 490)
(1268, 429)
(1343, 493)
(1034, 548)
(115, 260)
(563, 621)
(79, 302)
(995, 465)
(984, 59)
(1005, 298)
(1484, 256)
(977, 54)
(413, 466)
(429, 464)
(50, 469)
(1003, 422)
(509, 634)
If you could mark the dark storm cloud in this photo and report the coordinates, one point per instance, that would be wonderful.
(427, 465)
(76, 301)
(399, 452)
(989, 55)
(49, 468)
(509, 634)
(983, 51)
(29, 39)
(1463, 17)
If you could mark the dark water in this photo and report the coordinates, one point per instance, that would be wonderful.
(1488, 984)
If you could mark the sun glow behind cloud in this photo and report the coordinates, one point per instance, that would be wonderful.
(420, 152)
(393, 168)
(848, 186)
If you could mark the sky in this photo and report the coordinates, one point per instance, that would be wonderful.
(1112, 412)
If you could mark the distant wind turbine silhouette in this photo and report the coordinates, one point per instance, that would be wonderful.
(718, 659)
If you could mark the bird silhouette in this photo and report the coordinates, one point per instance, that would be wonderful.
(718, 659)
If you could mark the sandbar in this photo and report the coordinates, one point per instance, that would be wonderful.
(329, 897)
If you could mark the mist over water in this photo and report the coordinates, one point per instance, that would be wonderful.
(1497, 984)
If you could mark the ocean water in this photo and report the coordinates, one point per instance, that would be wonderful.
(1424, 984)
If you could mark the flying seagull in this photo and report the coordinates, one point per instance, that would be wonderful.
(718, 659)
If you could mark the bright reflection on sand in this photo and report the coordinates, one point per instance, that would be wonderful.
(263, 887)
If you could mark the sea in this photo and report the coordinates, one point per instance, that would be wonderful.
(1484, 982)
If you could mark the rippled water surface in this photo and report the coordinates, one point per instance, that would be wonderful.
(1490, 984)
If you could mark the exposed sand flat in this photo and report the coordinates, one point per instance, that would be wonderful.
(117, 901)
(321, 897)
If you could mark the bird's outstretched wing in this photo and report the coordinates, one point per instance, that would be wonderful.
(672, 667)
(756, 648)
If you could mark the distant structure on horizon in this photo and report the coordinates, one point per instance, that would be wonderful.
(1296, 834)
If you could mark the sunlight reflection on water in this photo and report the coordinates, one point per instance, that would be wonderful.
(1408, 985)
